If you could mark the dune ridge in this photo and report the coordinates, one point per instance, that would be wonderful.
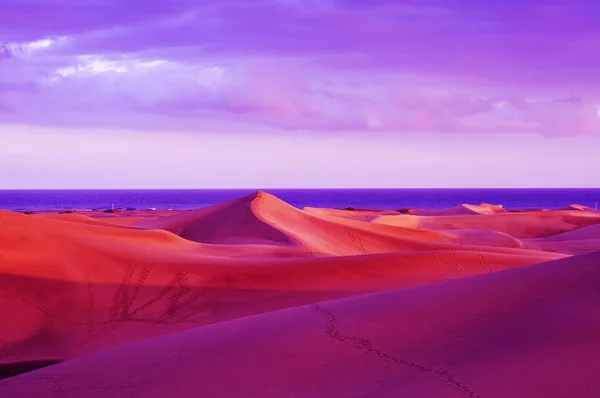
(164, 296)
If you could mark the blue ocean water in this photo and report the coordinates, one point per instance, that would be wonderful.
(333, 198)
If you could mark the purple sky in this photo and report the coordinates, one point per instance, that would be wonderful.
(299, 93)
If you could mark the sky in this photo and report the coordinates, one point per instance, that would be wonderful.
(299, 93)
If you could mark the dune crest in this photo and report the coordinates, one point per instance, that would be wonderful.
(236, 221)
(263, 218)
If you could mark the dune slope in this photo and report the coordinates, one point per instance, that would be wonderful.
(484, 336)
(88, 287)
(522, 225)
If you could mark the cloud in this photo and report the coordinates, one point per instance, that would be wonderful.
(338, 65)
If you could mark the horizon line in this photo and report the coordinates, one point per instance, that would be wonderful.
(294, 189)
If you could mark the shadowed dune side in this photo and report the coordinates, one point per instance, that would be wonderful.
(585, 233)
(235, 221)
(566, 247)
(578, 241)
(484, 336)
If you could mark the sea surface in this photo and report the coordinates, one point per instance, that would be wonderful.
(332, 198)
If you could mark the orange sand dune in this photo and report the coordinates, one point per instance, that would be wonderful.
(89, 287)
(95, 267)
(128, 217)
(85, 219)
(262, 218)
(578, 241)
(526, 332)
(534, 224)
(591, 232)
(360, 215)
(577, 207)
(464, 209)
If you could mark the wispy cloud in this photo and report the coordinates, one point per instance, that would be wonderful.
(382, 65)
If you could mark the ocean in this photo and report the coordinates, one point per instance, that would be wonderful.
(332, 198)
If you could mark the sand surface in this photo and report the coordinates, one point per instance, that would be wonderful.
(254, 297)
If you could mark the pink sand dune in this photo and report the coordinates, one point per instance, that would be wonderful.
(578, 241)
(223, 301)
(86, 287)
(464, 209)
(83, 218)
(535, 224)
(590, 232)
(525, 332)
(263, 218)
(359, 215)
(577, 208)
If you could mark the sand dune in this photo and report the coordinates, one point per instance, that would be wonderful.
(590, 232)
(263, 218)
(464, 209)
(94, 267)
(533, 224)
(485, 336)
(86, 219)
(473, 294)
(577, 208)
(578, 241)
(359, 215)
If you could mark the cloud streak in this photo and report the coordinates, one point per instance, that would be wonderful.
(339, 65)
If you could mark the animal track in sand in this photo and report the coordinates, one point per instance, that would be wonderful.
(367, 345)
(441, 266)
(459, 267)
(485, 263)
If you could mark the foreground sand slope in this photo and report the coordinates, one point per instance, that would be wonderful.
(521, 333)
